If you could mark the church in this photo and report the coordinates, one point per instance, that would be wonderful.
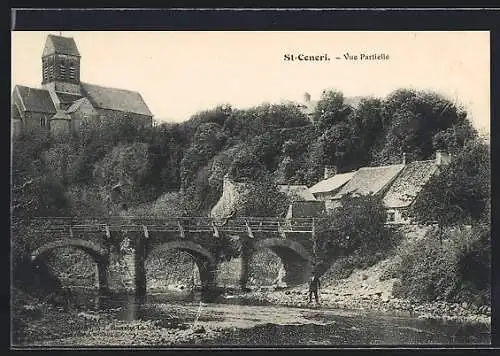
(63, 101)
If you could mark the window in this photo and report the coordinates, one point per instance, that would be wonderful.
(45, 70)
(72, 71)
(391, 216)
(62, 70)
(43, 121)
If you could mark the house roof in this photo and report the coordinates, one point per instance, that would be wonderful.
(297, 190)
(409, 183)
(115, 99)
(332, 183)
(60, 45)
(370, 180)
(35, 100)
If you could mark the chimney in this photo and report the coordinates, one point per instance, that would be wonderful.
(442, 158)
(307, 97)
(330, 171)
(404, 158)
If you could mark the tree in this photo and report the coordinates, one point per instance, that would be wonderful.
(460, 193)
(412, 119)
(330, 110)
(367, 129)
(264, 199)
(357, 226)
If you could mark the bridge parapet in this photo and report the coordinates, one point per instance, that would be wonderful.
(199, 229)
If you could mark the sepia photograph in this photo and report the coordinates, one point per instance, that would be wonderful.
(250, 188)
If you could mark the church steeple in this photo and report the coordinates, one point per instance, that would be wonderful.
(61, 64)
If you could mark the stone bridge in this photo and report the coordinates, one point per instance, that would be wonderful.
(117, 241)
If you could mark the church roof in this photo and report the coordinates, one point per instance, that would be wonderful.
(60, 115)
(115, 99)
(76, 104)
(60, 45)
(68, 97)
(34, 100)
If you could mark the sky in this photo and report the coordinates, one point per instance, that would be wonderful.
(180, 73)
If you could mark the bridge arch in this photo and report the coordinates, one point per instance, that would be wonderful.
(204, 260)
(98, 254)
(295, 257)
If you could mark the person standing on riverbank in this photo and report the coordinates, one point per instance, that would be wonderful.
(314, 286)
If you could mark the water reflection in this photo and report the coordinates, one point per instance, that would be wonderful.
(324, 329)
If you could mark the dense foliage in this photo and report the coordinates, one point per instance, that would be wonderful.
(460, 194)
(273, 142)
(455, 268)
(355, 235)
(178, 169)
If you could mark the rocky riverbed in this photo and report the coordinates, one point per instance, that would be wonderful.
(369, 290)
(162, 323)
(373, 301)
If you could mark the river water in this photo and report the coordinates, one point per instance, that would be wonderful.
(271, 325)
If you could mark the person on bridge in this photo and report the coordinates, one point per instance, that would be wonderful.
(314, 286)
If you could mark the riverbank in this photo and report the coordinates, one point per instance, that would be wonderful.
(38, 322)
(373, 289)
(298, 297)
(166, 324)
(370, 290)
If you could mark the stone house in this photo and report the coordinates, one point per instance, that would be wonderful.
(63, 101)
(326, 189)
(364, 181)
(404, 190)
(398, 185)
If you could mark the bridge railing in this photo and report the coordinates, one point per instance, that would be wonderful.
(172, 224)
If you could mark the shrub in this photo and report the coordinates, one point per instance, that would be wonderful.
(357, 232)
(453, 269)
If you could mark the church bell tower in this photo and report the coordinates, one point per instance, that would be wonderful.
(61, 65)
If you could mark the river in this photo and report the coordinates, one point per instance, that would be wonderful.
(237, 324)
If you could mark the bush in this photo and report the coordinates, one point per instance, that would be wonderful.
(454, 267)
(355, 233)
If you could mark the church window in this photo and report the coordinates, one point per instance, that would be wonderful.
(43, 121)
(72, 71)
(62, 70)
(51, 71)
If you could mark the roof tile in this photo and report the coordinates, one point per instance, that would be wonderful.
(60, 45)
(35, 100)
(332, 183)
(409, 183)
(370, 180)
(115, 99)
